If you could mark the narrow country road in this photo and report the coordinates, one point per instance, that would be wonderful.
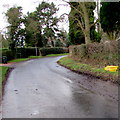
(41, 88)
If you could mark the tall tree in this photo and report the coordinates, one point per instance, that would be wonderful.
(83, 18)
(14, 17)
(32, 30)
(110, 19)
(32, 27)
(46, 16)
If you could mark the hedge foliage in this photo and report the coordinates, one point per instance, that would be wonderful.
(18, 53)
(55, 50)
(5, 52)
(26, 52)
(97, 53)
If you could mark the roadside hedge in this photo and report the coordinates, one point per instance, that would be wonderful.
(6, 52)
(26, 52)
(100, 54)
(18, 53)
(55, 50)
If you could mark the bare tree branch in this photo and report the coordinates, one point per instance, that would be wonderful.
(74, 7)
(79, 22)
(77, 10)
(94, 23)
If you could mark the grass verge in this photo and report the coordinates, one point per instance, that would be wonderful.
(3, 73)
(52, 55)
(89, 69)
(18, 60)
(35, 57)
(24, 59)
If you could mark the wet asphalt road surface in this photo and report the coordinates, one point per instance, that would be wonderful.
(41, 88)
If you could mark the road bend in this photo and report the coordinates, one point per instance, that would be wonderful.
(41, 88)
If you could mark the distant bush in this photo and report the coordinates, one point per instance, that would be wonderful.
(55, 50)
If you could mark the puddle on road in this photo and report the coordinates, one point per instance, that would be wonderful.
(35, 112)
(68, 80)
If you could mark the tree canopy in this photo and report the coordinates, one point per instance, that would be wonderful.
(110, 19)
(37, 29)
(14, 17)
(48, 21)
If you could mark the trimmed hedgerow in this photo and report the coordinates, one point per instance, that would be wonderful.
(55, 50)
(101, 54)
(6, 52)
(18, 53)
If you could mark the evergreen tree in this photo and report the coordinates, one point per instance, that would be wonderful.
(110, 19)
(46, 17)
(14, 17)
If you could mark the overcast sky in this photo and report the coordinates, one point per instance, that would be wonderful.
(30, 5)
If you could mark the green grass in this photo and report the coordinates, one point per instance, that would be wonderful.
(24, 59)
(3, 71)
(51, 55)
(87, 68)
(34, 57)
(18, 60)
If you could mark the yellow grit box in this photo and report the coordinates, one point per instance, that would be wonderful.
(111, 68)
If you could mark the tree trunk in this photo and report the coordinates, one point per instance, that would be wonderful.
(35, 45)
(36, 50)
(87, 37)
(87, 24)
